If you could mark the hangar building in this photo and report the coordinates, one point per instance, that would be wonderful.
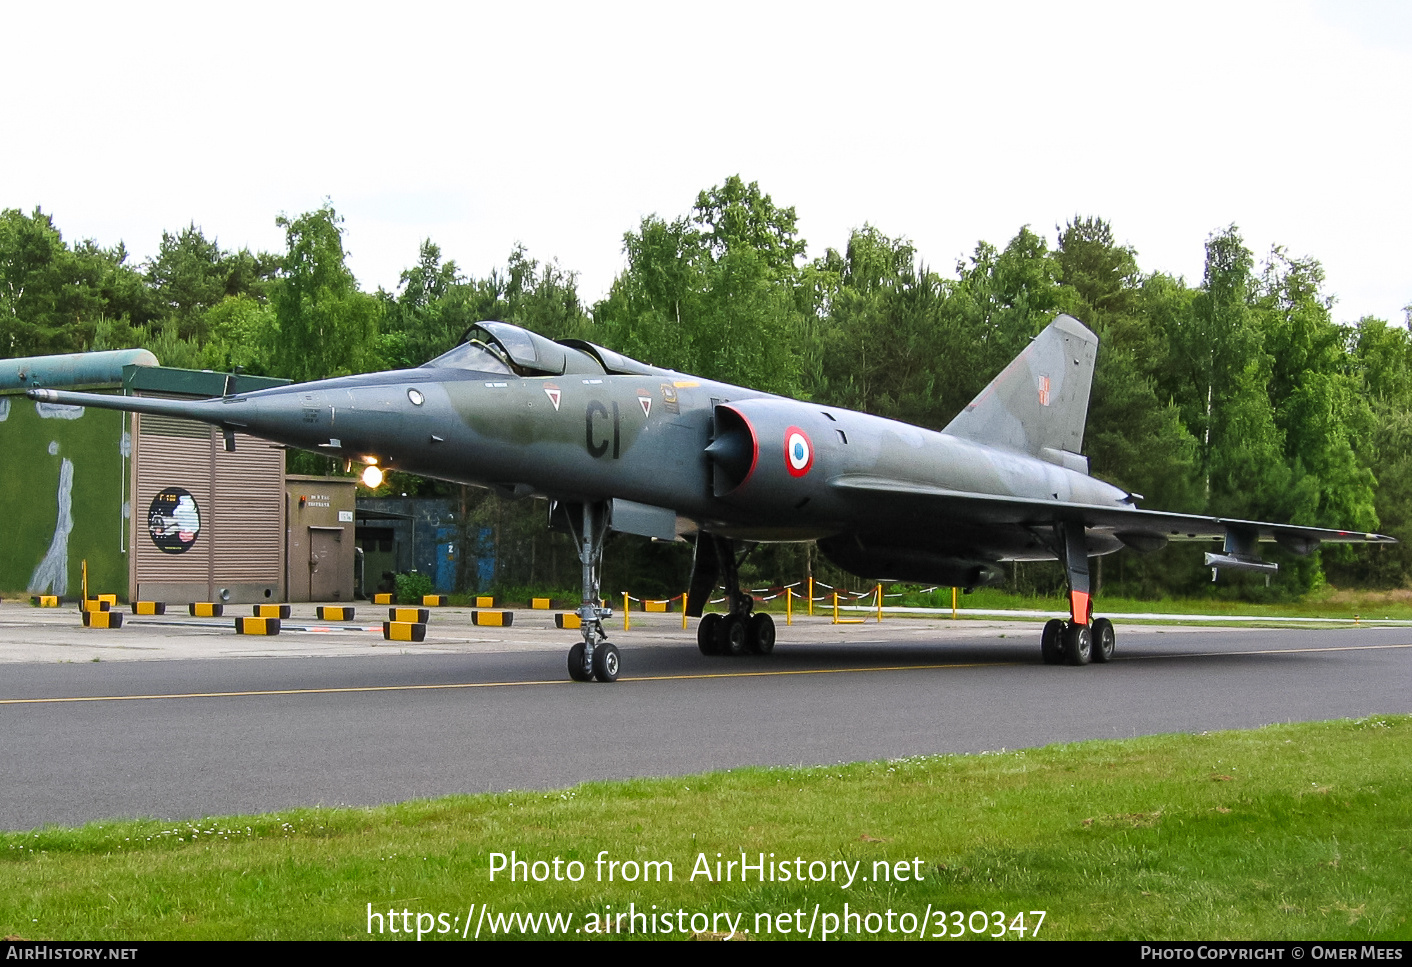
(156, 506)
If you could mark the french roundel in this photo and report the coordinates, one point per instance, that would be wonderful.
(798, 452)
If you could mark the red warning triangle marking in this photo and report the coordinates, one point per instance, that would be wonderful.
(553, 393)
(646, 402)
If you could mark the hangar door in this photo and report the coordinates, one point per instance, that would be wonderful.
(207, 525)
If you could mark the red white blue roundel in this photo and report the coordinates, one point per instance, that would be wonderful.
(798, 452)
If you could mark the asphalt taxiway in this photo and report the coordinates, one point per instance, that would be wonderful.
(178, 718)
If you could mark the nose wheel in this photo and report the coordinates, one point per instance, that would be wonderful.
(603, 666)
(605, 663)
(580, 670)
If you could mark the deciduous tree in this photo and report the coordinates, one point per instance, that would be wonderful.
(326, 326)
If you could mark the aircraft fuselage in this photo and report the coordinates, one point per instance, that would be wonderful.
(662, 442)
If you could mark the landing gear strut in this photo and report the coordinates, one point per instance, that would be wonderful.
(594, 657)
(740, 630)
(1082, 639)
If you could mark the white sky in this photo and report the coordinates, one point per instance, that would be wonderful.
(560, 125)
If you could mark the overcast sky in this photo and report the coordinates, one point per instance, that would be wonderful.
(562, 125)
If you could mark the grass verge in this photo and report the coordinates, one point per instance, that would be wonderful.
(1327, 603)
(1291, 831)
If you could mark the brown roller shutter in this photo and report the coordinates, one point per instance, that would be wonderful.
(240, 545)
(250, 498)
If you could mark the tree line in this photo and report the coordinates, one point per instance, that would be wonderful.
(1237, 396)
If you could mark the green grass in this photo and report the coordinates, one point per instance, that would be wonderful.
(1294, 831)
(1328, 603)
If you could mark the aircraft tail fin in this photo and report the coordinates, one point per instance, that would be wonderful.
(1039, 403)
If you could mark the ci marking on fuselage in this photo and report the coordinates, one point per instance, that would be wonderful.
(595, 447)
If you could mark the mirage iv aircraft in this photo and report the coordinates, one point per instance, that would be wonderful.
(617, 445)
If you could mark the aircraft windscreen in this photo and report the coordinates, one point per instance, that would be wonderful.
(474, 356)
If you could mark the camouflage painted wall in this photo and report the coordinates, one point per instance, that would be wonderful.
(63, 490)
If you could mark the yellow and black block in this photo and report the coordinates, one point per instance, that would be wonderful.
(656, 606)
(149, 607)
(207, 609)
(404, 630)
(434, 600)
(493, 619)
(485, 601)
(110, 599)
(382, 598)
(257, 626)
(334, 612)
(270, 611)
(414, 615)
(103, 619)
(567, 620)
(45, 600)
(539, 604)
(94, 604)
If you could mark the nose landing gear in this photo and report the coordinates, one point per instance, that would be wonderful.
(594, 657)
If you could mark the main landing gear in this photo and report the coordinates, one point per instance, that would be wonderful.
(1082, 638)
(739, 630)
(594, 657)
(736, 634)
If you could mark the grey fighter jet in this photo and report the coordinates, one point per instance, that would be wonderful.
(617, 445)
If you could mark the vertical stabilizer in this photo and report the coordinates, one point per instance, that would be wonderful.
(1039, 403)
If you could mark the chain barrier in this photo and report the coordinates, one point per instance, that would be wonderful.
(838, 597)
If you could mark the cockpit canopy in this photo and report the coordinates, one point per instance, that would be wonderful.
(500, 348)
